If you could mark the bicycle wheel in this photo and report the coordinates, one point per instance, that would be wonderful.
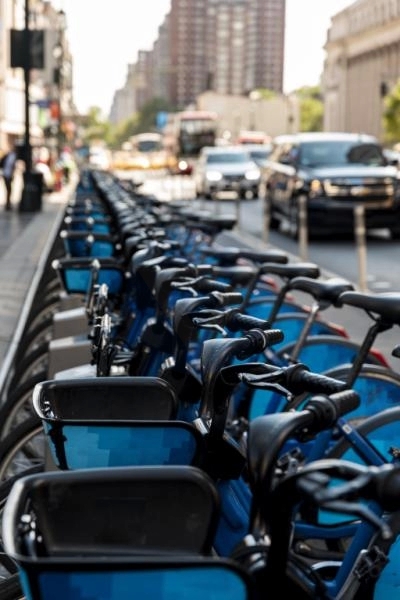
(24, 447)
(382, 432)
(44, 313)
(323, 352)
(378, 388)
(18, 407)
(41, 333)
(10, 588)
(35, 361)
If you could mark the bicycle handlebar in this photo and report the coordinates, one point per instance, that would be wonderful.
(241, 322)
(256, 341)
(296, 379)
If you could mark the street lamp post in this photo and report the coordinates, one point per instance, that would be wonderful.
(58, 54)
(31, 197)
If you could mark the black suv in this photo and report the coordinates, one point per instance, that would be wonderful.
(334, 171)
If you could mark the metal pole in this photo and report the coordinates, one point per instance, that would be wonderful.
(361, 241)
(303, 227)
(27, 71)
(31, 197)
(238, 213)
(267, 217)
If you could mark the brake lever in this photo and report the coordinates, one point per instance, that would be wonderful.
(266, 381)
(189, 280)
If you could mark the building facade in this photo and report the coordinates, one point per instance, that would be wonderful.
(362, 64)
(226, 46)
(51, 104)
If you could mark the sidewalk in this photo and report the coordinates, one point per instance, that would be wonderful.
(23, 241)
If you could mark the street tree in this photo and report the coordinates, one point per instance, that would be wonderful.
(311, 108)
(391, 115)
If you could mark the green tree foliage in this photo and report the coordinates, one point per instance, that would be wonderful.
(147, 116)
(94, 127)
(311, 108)
(391, 115)
(265, 93)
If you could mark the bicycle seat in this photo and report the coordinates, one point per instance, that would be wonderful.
(386, 304)
(214, 223)
(236, 274)
(326, 292)
(231, 254)
(290, 271)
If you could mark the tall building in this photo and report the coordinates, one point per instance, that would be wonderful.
(225, 46)
(266, 40)
(362, 63)
(187, 74)
(227, 27)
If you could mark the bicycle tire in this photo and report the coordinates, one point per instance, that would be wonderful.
(338, 351)
(36, 360)
(381, 431)
(44, 313)
(24, 447)
(10, 588)
(18, 404)
(32, 339)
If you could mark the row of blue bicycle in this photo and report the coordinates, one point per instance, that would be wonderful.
(178, 423)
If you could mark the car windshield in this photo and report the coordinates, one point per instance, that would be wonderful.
(335, 153)
(259, 154)
(227, 157)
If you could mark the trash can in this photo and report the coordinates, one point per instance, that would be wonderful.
(31, 198)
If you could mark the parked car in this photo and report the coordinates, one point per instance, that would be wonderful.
(259, 153)
(226, 169)
(334, 171)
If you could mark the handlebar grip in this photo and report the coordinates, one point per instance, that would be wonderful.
(345, 401)
(301, 379)
(388, 487)
(211, 285)
(327, 409)
(226, 299)
(242, 322)
(204, 269)
(256, 341)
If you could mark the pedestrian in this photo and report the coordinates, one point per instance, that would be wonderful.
(7, 166)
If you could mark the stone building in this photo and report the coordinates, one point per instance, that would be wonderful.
(362, 64)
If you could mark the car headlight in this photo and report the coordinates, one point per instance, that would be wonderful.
(213, 176)
(316, 187)
(252, 174)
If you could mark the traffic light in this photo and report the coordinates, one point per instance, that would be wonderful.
(20, 45)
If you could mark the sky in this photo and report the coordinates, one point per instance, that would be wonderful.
(105, 36)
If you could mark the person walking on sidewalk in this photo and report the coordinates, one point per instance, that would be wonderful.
(7, 166)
